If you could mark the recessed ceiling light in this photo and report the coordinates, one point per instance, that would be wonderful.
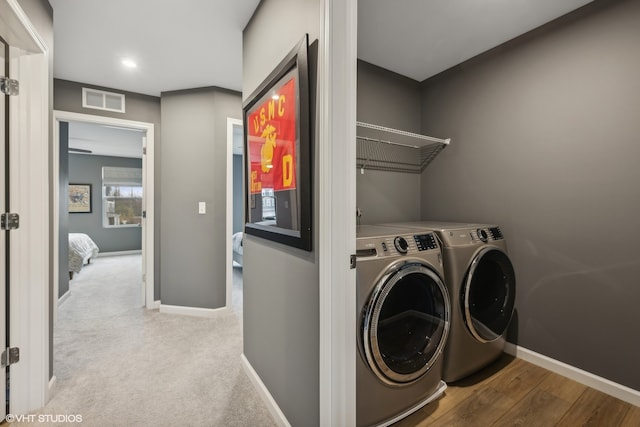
(129, 63)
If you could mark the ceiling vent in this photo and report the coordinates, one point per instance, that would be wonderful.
(102, 100)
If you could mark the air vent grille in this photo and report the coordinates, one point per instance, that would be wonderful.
(102, 100)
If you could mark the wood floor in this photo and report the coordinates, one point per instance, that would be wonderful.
(512, 392)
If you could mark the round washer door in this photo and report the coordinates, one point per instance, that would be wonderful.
(488, 295)
(406, 323)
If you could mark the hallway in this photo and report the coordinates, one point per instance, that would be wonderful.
(119, 364)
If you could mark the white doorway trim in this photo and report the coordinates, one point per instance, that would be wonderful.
(29, 174)
(148, 180)
(229, 272)
(337, 240)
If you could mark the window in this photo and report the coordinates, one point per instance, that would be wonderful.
(121, 197)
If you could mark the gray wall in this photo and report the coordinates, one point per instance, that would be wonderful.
(142, 108)
(194, 128)
(281, 301)
(545, 142)
(87, 169)
(391, 100)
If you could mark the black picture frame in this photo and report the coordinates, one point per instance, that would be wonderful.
(278, 167)
(80, 198)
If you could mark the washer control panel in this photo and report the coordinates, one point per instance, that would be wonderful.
(425, 242)
(401, 244)
(408, 244)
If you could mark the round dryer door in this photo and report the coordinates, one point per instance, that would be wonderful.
(488, 295)
(406, 323)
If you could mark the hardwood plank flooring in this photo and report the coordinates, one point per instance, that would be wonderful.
(512, 392)
(633, 418)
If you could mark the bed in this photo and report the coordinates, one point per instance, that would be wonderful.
(237, 247)
(81, 250)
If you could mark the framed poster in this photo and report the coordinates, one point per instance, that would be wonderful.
(277, 150)
(80, 198)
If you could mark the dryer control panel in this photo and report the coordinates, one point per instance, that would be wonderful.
(472, 235)
(486, 234)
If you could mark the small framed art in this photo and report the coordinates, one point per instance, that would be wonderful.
(79, 198)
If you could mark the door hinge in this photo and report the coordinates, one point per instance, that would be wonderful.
(352, 262)
(10, 356)
(10, 221)
(9, 86)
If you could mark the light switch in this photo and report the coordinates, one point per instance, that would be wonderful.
(202, 208)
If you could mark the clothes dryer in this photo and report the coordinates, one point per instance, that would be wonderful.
(482, 287)
(403, 313)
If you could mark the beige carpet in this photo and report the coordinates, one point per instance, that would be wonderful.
(118, 364)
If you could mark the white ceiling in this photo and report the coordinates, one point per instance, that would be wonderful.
(195, 43)
(177, 44)
(421, 38)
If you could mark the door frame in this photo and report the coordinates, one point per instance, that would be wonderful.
(30, 283)
(337, 74)
(231, 122)
(147, 290)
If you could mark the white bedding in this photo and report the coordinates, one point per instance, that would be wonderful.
(81, 250)
(237, 247)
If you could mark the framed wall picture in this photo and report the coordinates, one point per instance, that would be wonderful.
(79, 198)
(278, 166)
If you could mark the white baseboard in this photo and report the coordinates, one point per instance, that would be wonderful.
(64, 297)
(50, 389)
(604, 385)
(276, 413)
(154, 305)
(191, 311)
(118, 253)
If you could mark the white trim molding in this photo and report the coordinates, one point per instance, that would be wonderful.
(267, 398)
(119, 253)
(191, 311)
(29, 196)
(337, 78)
(148, 170)
(604, 385)
(63, 298)
(52, 386)
(229, 223)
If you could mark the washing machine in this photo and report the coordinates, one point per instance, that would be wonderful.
(403, 310)
(482, 286)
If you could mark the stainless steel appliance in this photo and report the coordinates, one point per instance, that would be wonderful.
(403, 323)
(482, 287)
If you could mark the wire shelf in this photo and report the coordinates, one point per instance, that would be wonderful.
(387, 149)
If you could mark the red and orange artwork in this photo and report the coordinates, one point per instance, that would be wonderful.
(272, 140)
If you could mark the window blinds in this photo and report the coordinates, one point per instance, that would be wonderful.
(112, 175)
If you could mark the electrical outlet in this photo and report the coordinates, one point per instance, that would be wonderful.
(202, 208)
